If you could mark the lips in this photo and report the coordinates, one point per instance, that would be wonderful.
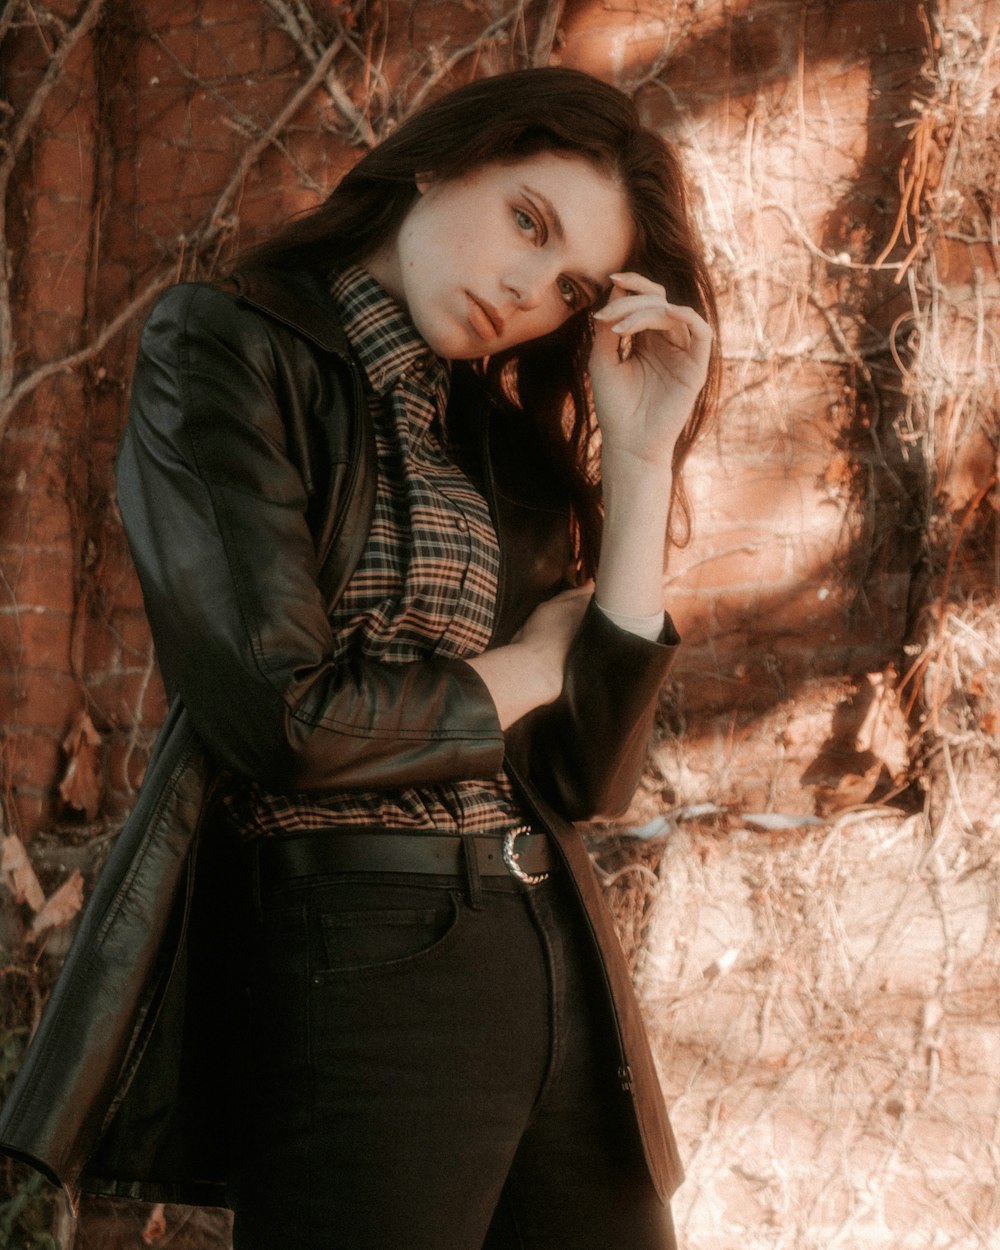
(484, 319)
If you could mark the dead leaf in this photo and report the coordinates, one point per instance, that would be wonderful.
(81, 787)
(884, 731)
(18, 874)
(851, 790)
(60, 907)
(973, 469)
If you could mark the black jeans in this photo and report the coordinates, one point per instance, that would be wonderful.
(429, 1069)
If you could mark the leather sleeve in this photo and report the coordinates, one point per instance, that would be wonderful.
(215, 511)
(585, 753)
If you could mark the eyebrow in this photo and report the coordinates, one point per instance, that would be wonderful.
(597, 289)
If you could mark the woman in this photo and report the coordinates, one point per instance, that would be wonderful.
(408, 637)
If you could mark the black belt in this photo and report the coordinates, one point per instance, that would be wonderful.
(519, 853)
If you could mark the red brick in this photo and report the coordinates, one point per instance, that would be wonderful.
(62, 166)
(25, 61)
(65, 287)
(278, 55)
(132, 630)
(207, 171)
(55, 405)
(35, 638)
(693, 614)
(127, 593)
(118, 280)
(115, 696)
(180, 40)
(106, 417)
(31, 812)
(708, 685)
(313, 151)
(774, 500)
(32, 460)
(59, 226)
(231, 52)
(42, 699)
(51, 334)
(152, 66)
(736, 615)
(232, 13)
(37, 583)
(101, 651)
(163, 120)
(267, 203)
(45, 518)
(122, 237)
(35, 762)
(746, 566)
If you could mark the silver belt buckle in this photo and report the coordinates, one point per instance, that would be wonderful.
(510, 857)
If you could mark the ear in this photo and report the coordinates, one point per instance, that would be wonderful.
(424, 180)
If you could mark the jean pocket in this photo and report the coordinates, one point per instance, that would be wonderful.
(363, 941)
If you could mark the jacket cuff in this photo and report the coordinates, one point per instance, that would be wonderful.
(601, 631)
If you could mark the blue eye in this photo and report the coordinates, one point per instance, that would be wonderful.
(570, 293)
(524, 220)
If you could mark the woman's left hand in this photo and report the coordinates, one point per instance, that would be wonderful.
(645, 389)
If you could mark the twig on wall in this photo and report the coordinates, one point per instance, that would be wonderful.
(11, 145)
(217, 223)
(300, 25)
(548, 28)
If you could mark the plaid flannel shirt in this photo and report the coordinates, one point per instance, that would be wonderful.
(426, 584)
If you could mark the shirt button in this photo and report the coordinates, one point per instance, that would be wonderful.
(462, 525)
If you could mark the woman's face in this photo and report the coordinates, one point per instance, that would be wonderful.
(506, 253)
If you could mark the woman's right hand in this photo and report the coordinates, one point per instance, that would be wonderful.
(528, 671)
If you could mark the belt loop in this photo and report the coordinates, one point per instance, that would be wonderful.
(472, 872)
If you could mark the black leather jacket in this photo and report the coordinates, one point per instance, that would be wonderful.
(246, 483)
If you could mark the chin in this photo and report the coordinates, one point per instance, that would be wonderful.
(454, 345)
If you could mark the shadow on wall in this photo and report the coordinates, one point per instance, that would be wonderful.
(848, 606)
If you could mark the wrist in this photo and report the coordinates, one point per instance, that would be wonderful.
(519, 678)
(654, 464)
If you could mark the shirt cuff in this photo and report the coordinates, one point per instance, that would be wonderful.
(648, 627)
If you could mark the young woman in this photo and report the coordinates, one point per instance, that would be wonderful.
(398, 495)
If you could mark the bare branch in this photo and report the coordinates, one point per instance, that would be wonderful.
(214, 226)
(548, 28)
(301, 27)
(238, 121)
(217, 220)
(9, 152)
(29, 115)
(34, 379)
(444, 69)
(7, 19)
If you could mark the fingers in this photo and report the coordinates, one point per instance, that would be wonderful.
(640, 304)
(638, 282)
(556, 620)
(637, 314)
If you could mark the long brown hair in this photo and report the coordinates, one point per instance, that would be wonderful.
(509, 117)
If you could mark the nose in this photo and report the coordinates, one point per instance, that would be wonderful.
(527, 281)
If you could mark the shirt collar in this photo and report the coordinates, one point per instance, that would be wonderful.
(383, 337)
